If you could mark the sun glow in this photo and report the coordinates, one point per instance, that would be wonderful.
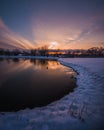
(53, 45)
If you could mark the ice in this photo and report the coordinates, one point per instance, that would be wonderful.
(82, 109)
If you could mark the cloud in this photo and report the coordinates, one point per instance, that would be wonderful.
(93, 31)
(11, 40)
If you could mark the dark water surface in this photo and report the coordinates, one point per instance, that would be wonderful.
(33, 83)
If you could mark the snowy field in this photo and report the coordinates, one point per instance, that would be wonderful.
(81, 110)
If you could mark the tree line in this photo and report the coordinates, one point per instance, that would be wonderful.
(44, 51)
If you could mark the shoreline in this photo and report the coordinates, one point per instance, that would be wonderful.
(31, 57)
(83, 106)
(68, 65)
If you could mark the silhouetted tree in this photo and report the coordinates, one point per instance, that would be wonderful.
(43, 50)
(33, 52)
(2, 51)
(15, 52)
(96, 51)
(7, 52)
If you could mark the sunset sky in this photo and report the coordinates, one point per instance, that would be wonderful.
(59, 24)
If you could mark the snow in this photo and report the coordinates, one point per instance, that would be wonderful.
(82, 109)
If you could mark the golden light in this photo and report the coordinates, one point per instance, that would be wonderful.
(53, 45)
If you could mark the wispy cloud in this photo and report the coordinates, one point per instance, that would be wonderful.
(9, 39)
(91, 33)
(94, 31)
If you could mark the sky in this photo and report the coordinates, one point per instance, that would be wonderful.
(59, 24)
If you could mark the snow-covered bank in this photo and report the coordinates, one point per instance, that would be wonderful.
(81, 110)
(95, 65)
(29, 57)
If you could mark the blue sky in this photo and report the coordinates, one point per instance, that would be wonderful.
(56, 23)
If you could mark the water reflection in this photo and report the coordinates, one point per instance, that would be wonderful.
(46, 64)
(32, 83)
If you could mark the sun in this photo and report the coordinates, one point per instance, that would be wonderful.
(53, 45)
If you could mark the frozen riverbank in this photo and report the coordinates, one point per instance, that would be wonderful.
(81, 110)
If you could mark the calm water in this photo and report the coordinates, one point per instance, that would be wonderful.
(33, 83)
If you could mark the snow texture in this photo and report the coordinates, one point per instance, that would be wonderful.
(82, 109)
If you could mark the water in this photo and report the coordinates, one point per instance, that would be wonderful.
(33, 83)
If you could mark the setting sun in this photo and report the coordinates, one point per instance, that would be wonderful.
(53, 45)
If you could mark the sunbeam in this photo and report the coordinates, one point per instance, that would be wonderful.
(11, 40)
